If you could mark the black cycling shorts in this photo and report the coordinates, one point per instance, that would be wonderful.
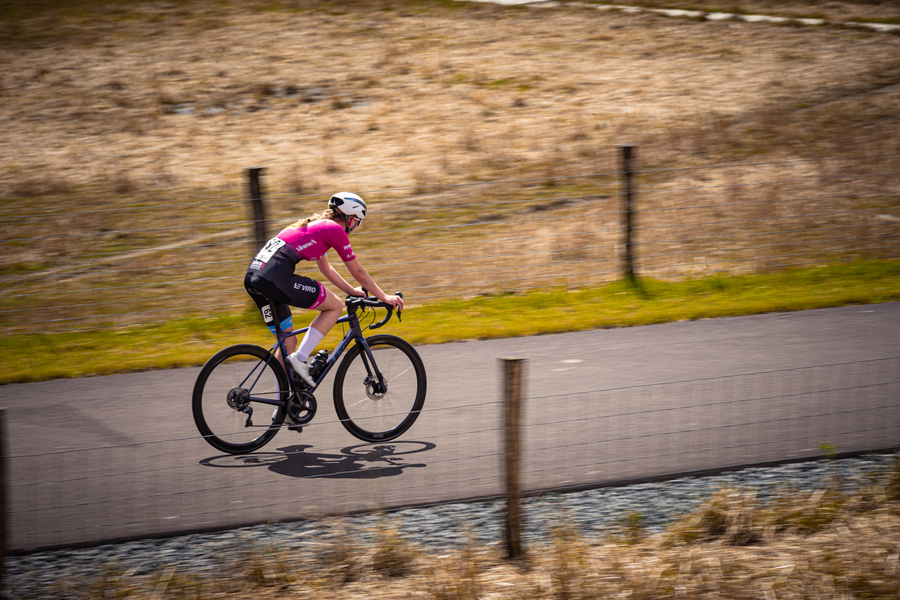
(276, 282)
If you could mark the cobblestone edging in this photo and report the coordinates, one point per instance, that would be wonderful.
(699, 14)
(436, 529)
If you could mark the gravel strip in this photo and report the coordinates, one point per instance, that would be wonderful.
(440, 528)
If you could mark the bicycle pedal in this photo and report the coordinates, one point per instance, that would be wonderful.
(297, 428)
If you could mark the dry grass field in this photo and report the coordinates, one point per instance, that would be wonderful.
(128, 127)
(127, 97)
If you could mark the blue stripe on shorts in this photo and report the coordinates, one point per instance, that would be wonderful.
(289, 322)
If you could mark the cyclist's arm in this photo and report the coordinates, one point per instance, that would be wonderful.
(365, 280)
(335, 277)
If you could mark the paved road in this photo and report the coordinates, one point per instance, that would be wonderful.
(88, 464)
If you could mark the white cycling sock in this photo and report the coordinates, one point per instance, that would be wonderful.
(277, 396)
(309, 343)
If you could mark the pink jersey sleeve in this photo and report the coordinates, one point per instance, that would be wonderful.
(335, 236)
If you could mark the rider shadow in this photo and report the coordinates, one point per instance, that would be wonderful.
(365, 461)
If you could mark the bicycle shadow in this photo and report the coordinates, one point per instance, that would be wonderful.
(363, 461)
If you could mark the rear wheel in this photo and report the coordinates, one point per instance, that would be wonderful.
(228, 398)
(378, 410)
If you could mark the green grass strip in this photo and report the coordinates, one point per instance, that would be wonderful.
(37, 357)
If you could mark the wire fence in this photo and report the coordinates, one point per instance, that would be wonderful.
(455, 451)
(108, 265)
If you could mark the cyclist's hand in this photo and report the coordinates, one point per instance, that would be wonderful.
(395, 301)
(358, 292)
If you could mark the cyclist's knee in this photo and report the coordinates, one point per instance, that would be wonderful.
(331, 302)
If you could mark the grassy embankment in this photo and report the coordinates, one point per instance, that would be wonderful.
(37, 357)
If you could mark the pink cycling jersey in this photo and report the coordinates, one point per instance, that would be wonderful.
(314, 240)
(271, 279)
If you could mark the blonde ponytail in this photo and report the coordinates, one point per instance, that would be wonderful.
(328, 213)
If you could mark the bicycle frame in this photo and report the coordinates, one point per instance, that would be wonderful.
(354, 333)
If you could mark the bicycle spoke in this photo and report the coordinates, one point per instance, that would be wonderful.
(366, 399)
(404, 371)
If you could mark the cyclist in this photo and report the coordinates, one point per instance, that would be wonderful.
(271, 275)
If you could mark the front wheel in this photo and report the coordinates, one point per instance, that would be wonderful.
(233, 395)
(373, 409)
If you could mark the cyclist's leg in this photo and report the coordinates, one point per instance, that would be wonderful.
(290, 344)
(303, 292)
(272, 312)
(264, 294)
(309, 294)
(330, 309)
(329, 312)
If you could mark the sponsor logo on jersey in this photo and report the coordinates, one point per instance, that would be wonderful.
(305, 288)
(306, 245)
(347, 247)
(257, 265)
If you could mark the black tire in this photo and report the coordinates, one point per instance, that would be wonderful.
(242, 372)
(378, 417)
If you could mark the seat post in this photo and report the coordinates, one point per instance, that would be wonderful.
(271, 304)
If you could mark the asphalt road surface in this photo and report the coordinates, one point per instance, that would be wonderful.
(114, 457)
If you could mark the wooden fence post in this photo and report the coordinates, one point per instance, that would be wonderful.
(627, 155)
(259, 214)
(4, 498)
(513, 369)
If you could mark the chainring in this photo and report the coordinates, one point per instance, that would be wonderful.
(301, 408)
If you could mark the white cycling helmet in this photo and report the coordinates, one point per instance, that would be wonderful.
(349, 204)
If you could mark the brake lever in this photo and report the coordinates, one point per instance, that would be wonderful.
(398, 310)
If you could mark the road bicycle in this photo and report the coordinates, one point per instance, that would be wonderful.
(379, 387)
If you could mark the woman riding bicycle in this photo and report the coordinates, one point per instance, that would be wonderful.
(271, 276)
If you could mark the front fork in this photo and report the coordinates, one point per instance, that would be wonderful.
(374, 378)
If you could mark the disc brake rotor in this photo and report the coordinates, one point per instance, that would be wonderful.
(374, 390)
(238, 398)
